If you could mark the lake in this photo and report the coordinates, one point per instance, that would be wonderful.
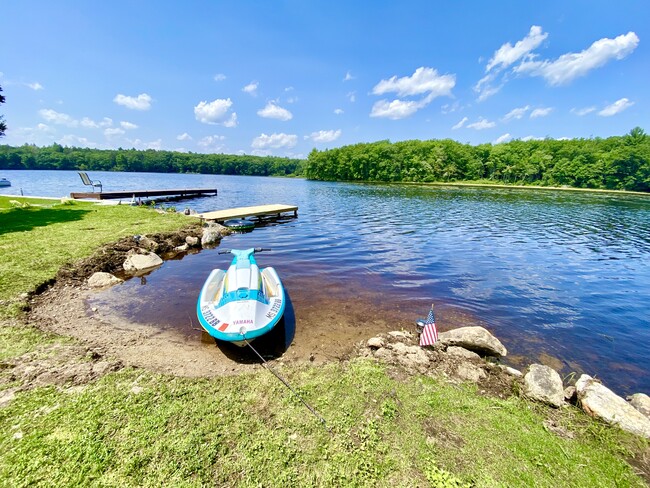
(560, 277)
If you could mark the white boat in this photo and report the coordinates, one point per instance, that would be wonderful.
(242, 302)
(5, 182)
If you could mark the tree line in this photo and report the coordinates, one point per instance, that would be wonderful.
(57, 157)
(615, 163)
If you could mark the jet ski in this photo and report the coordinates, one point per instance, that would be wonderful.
(242, 302)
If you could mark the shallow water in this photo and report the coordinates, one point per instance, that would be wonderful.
(559, 277)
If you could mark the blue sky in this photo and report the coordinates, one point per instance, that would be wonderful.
(284, 77)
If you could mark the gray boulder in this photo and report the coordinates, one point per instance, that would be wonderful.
(139, 262)
(212, 234)
(599, 401)
(544, 384)
(641, 402)
(148, 244)
(103, 280)
(475, 339)
(461, 352)
(375, 342)
(192, 241)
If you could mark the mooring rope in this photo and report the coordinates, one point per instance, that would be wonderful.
(286, 383)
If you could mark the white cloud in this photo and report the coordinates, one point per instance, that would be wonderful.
(184, 137)
(583, 111)
(481, 124)
(338, 111)
(128, 125)
(348, 77)
(352, 96)
(504, 57)
(424, 81)
(324, 135)
(251, 88)
(396, 109)
(216, 112)
(219, 77)
(113, 131)
(71, 140)
(541, 112)
(140, 144)
(274, 141)
(274, 111)
(516, 113)
(57, 117)
(35, 86)
(532, 138)
(212, 143)
(231, 122)
(505, 137)
(460, 123)
(487, 92)
(89, 123)
(570, 66)
(508, 54)
(141, 102)
(617, 107)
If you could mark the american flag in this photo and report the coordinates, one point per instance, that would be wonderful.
(429, 334)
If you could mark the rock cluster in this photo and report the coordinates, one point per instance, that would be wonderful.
(140, 254)
(464, 354)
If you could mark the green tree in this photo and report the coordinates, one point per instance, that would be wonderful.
(3, 126)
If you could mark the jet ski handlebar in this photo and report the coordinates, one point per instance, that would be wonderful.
(257, 249)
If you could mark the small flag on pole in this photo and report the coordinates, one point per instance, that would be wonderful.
(429, 334)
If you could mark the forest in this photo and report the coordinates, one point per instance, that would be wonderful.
(615, 163)
(73, 158)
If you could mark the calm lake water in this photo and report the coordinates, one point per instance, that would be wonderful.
(561, 277)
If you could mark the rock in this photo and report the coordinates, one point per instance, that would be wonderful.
(599, 401)
(383, 353)
(411, 356)
(139, 262)
(469, 372)
(641, 402)
(475, 339)
(102, 280)
(375, 342)
(210, 237)
(544, 384)
(512, 371)
(182, 248)
(7, 396)
(148, 244)
(400, 334)
(192, 241)
(461, 352)
(570, 394)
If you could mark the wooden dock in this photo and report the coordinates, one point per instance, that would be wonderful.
(107, 195)
(240, 212)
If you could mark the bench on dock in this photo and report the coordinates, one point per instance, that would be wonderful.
(88, 182)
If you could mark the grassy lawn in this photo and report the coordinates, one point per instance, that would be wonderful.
(138, 428)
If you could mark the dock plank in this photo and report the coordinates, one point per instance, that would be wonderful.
(240, 212)
(107, 195)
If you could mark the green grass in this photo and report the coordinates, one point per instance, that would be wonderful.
(35, 241)
(136, 428)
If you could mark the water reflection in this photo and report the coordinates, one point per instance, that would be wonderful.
(566, 274)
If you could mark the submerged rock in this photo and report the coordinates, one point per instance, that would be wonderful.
(103, 280)
(139, 262)
(599, 401)
(475, 339)
(544, 384)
